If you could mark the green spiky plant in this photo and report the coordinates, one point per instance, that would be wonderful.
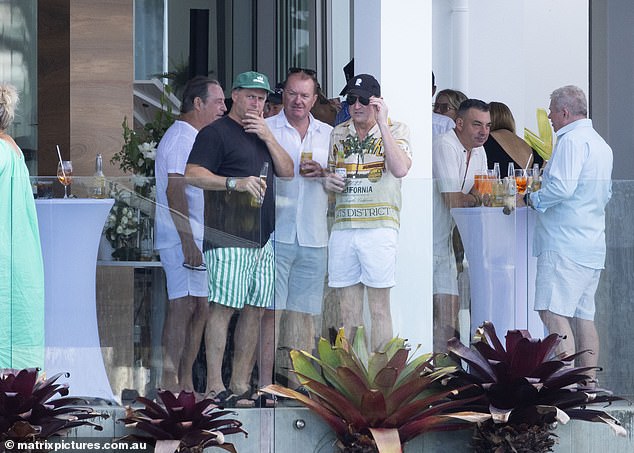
(182, 424)
(27, 412)
(375, 402)
(527, 388)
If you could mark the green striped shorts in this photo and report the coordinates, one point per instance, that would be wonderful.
(241, 276)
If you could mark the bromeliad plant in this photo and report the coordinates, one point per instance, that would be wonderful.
(27, 412)
(182, 424)
(375, 402)
(527, 388)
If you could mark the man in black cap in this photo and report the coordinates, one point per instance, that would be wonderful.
(273, 104)
(362, 247)
(343, 114)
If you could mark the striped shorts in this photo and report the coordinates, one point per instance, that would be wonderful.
(241, 276)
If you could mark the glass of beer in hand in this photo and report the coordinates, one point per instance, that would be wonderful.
(305, 156)
(65, 174)
(520, 181)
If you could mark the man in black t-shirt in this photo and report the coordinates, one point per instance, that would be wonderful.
(226, 161)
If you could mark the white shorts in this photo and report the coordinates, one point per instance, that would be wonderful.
(445, 274)
(362, 255)
(565, 287)
(299, 277)
(181, 281)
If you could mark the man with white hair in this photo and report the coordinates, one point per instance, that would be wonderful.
(569, 238)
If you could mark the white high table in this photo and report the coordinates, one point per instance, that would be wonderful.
(501, 267)
(70, 230)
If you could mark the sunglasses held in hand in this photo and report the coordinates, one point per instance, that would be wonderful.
(201, 267)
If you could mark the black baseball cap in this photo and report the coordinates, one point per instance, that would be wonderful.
(276, 96)
(363, 85)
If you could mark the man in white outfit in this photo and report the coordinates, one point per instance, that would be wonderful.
(179, 232)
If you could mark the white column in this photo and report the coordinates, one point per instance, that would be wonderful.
(460, 27)
(392, 41)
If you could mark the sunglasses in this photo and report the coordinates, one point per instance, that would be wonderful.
(352, 99)
(442, 108)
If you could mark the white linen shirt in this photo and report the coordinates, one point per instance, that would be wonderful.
(575, 190)
(301, 204)
(171, 157)
(441, 124)
(451, 173)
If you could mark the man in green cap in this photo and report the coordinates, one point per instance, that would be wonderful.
(226, 161)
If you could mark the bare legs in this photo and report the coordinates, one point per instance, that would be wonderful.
(216, 331)
(299, 333)
(244, 346)
(351, 306)
(179, 347)
(446, 307)
(192, 346)
(246, 335)
(581, 334)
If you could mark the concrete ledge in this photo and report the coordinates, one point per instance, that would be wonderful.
(296, 429)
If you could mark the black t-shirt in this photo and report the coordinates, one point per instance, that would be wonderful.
(230, 221)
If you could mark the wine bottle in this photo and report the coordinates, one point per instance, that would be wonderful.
(99, 179)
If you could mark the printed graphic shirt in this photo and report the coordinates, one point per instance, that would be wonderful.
(372, 196)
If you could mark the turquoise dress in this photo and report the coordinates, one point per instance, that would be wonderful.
(21, 267)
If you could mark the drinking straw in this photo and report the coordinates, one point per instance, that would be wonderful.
(528, 163)
(61, 164)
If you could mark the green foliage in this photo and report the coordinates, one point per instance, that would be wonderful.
(138, 153)
(182, 422)
(376, 400)
(27, 412)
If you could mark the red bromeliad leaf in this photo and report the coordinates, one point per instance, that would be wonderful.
(479, 366)
(488, 331)
(334, 420)
(412, 388)
(373, 407)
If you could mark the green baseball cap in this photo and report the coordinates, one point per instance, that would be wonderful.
(252, 79)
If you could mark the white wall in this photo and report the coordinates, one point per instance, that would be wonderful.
(519, 51)
(403, 67)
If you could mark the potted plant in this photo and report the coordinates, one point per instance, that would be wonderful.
(28, 414)
(182, 424)
(375, 402)
(527, 389)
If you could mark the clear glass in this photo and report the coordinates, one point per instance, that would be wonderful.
(65, 174)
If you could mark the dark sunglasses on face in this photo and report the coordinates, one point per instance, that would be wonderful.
(352, 99)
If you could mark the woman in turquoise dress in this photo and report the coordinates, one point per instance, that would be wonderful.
(21, 268)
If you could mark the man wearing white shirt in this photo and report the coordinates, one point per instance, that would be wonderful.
(457, 157)
(301, 232)
(569, 238)
(179, 232)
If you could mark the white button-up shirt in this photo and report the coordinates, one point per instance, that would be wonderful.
(575, 189)
(301, 204)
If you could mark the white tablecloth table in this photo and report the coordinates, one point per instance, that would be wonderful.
(501, 267)
(70, 230)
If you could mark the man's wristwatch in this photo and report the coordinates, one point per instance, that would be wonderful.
(230, 184)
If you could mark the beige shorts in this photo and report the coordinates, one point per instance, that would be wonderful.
(565, 287)
(445, 274)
